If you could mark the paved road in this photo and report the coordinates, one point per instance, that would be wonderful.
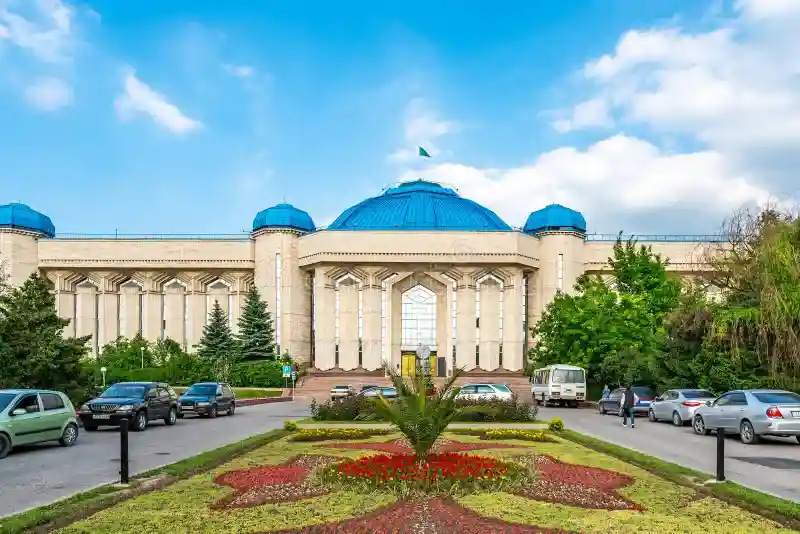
(46, 473)
(772, 466)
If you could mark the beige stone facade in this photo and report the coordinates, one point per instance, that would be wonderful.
(341, 300)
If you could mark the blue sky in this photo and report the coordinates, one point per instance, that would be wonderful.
(190, 116)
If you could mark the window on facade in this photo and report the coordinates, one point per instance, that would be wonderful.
(560, 271)
(419, 317)
(500, 356)
(477, 356)
(278, 291)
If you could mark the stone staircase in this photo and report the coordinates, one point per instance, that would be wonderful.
(319, 386)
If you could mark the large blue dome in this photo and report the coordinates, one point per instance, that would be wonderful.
(419, 205)
(284, 216)
(22, 217)
(555, 217)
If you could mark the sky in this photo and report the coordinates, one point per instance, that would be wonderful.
(190, 116)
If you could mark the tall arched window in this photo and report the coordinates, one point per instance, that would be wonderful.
(419, 317)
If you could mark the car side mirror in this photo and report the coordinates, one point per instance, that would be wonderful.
(709, 403)
(219, 394)
(19, 411)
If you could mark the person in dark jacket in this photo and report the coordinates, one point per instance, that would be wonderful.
(628, 402)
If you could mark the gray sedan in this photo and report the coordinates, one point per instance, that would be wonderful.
(751, 413)
(678, 405)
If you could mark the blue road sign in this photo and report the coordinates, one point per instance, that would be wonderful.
(287, 371)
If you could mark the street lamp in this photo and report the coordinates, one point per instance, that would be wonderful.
(103, 370)
(141, 349)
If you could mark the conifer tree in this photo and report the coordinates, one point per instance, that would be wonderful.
(256, 335)
(217, 345)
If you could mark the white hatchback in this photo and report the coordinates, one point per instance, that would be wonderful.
(484, 392)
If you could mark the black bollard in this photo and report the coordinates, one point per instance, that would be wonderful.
(721, 455)
(123, 450)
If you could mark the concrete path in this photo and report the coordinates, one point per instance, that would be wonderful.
(456, 426)
(43, 474)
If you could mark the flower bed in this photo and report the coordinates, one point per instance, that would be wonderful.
(400, 446)
(438, 473)
(325, 434)
(512, 433)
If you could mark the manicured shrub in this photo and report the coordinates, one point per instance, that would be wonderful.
(346, 409)
(325, 434)
(496, 410)
(556, 424)
(290, 426)
(513, 433)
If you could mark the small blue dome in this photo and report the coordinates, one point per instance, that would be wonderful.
(22, 217)
(419, 205)
(284, 216)
(555, 217)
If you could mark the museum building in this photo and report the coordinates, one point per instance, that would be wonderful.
(417, 265)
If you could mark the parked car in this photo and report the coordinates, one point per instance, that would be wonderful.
(340, 392)
(678, 405)
(751, 413)
(385, 392)
(207, 399)
(613, 403)
(484, 392)
(138, 402)
(30, 416)
(365, 388)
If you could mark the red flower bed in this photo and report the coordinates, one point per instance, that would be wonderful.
(435, 467)
(272, 483)
(434, 516)
(576, 485)
(400, 446)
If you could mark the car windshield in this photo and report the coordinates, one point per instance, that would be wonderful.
(500, 388)
(341, 387)
(777, 397)
(5, 400)
(202, 389)
(698, 394)
(642, 391)
(565, 376)
(365, 388)
(125, 390)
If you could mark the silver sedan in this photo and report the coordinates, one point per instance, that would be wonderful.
(678, 405)
(751, 413)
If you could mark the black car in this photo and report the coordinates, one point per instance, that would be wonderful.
(612, 403)
(138, 402)
(208, 399)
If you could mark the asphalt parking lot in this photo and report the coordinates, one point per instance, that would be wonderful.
(773, 466)
(39, 475)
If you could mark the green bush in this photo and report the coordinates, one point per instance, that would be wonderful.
(290, 426)
(326, 434)
(556, 424)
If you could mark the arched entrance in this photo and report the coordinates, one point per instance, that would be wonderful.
(418, 326)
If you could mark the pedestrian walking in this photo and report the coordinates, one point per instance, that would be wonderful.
(606, 392)
(629, 400)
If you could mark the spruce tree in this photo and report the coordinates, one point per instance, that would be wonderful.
(256, 332)
(33, 352)
(217, 342)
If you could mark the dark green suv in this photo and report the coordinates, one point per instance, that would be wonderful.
(208, 399)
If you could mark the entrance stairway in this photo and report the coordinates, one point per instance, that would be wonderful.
(319, 386)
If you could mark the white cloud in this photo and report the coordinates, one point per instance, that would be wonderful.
(49, 94)
(239, 71)
(43, 28)
(591, 113)
(138, 97)
(421, 127)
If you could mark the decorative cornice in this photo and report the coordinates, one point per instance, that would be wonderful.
(277, 230)
(419, 254)
(20, 231)
(581, 235)
(55, 262)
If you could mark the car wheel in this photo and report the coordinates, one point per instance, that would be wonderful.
(139, 422)
(5, 445)
(651, 415)
(601, 408)
(676, 419)
(232, 409)
(699, 426)
(180, 416)
(747, 433)
(69, 436)
(212, 412)
(798, 439)
(172, 417)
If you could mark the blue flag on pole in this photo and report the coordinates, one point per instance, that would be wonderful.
(423, 153)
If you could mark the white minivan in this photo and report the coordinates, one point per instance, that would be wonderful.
(559, 384)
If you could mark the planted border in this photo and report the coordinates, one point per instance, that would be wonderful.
(779, 510)
(82, 505)
(326, 434)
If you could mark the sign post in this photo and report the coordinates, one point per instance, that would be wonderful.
(123, 451)
(294, 381)
(287, 373)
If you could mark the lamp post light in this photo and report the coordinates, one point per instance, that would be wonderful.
(141, 349)
(103, 370)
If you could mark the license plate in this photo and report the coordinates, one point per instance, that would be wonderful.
(101, 416)
(795, 414)
(187, 408)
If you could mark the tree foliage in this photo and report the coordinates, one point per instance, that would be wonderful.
(256, 335)
(33, 352)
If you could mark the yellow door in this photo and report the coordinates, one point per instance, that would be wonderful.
(409, 366)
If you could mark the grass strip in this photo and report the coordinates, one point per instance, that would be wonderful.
(780, 510)
(245, 393)
(66, 511)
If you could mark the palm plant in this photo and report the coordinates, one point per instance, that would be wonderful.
(422, 418)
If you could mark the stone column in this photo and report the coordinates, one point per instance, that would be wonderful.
(219, 291)
(371, 302)
(490, 324)
(175, 311)
(86, 313)
(130, 320)
(534, 305)
(196, 312)
(348, 324)
(108, 308)
(465, 323)
(64, 289)
(513, 358)
(239, 289)
(152, 305)
(324, 321)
